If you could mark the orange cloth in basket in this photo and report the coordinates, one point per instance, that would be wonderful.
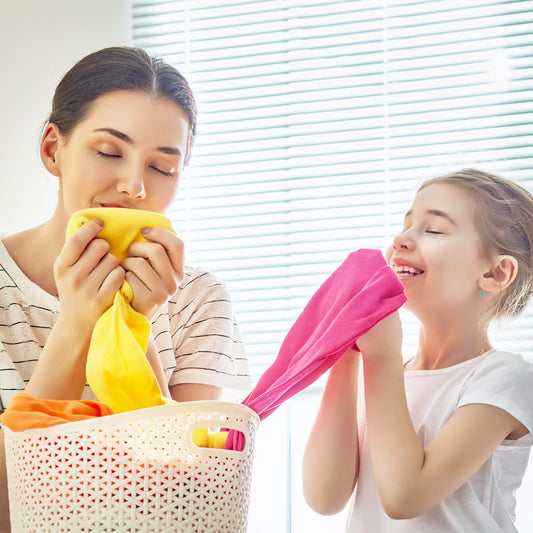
(26, 412)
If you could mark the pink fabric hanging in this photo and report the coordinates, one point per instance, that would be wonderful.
(362, 291)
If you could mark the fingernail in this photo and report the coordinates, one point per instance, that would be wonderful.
(99, 222)
(146, 231)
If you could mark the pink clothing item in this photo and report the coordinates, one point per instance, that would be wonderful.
(360, 293)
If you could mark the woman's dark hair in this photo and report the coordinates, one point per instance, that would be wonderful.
(119, 68)
(504, 217)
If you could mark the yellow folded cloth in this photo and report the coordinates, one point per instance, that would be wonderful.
(117, 369)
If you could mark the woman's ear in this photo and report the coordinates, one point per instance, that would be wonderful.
(501, 274)
(50, 142)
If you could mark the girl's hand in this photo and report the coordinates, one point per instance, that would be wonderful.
(154, 269)
(384, 339)
(87, 277)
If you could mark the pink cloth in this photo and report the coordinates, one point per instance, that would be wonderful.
(361, 292)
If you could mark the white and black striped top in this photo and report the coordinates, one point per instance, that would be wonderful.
(195, 333)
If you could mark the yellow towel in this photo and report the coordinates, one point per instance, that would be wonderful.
(117, 369)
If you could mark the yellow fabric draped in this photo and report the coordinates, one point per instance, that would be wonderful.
(117, 368)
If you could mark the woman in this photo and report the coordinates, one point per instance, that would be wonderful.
(119, 135)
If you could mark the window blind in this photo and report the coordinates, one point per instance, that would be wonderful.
(318, 120)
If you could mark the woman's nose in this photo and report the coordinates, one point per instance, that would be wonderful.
(132, 184)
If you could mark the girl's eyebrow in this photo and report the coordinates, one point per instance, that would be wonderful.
(127, 139)
(435, 212)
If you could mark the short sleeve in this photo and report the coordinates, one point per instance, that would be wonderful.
(205, 337)
(504, 380)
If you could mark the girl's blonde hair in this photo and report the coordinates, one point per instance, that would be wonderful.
(504, 219)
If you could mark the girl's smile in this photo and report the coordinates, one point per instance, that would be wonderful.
(438, 256)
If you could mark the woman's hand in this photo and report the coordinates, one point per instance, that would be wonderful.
(154, 269)
(87, 277)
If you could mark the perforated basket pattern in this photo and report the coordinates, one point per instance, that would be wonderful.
(132, 472)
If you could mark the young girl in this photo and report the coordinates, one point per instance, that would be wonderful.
(441, 442)
(119, 135)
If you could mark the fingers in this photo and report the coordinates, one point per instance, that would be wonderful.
(87, 276)
(77, 243)
(172, 244)
(154, 269)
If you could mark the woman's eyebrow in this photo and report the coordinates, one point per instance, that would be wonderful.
(171, 150)
(116, 133)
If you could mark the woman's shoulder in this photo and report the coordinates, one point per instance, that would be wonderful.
(8, 267)
(197, 287)
(15, 285)
(198, 279)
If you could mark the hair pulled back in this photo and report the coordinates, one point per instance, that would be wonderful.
(119, 68)
(504, 220)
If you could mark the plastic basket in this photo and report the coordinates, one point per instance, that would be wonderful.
(133, 472)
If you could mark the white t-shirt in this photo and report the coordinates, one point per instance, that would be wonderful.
(195, 332)
(486, 502)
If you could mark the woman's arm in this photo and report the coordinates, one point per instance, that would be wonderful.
(331, 457)
(412, 479)
(189, 392)
(4, 502)
(87, 278)
(154, 269)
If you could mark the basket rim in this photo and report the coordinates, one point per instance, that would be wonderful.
(210, 406)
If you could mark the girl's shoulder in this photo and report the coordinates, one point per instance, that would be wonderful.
(506, 368)
(503, 379)
(505, 362)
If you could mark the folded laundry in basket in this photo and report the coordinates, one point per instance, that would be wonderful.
(117, 369)
(362, 291)
(26, 412)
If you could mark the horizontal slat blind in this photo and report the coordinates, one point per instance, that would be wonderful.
(318, 119)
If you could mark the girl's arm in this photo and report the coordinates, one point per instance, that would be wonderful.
(331, 457)
(412, 479)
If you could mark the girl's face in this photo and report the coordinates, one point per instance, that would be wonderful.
(128, 151)
(439, 256)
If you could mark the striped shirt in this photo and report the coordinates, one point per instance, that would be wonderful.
(195, 332)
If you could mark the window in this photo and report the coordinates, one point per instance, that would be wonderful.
(318, 119)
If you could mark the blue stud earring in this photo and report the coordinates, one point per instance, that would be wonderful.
(483, 293)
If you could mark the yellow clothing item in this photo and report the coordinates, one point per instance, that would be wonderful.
(117, 369)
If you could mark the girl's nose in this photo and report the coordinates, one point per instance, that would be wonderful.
(402, 241)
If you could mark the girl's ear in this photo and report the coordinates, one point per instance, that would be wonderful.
(501, 274)
(50, 142)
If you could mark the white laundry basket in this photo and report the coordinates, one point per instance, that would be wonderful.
(132, 472)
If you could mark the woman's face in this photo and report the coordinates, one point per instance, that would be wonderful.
(129, 151)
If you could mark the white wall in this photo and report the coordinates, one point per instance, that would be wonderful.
(39, 41)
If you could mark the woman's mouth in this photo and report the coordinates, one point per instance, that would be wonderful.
(113, 205)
